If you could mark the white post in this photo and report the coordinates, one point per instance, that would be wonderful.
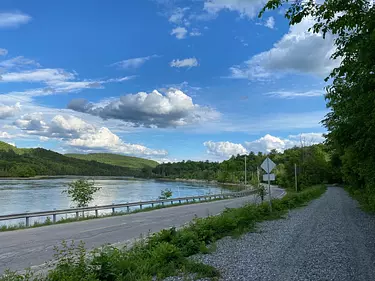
(295, 176)
(269, 184)
(245, 171)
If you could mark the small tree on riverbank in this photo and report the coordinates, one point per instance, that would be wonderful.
(81, 192)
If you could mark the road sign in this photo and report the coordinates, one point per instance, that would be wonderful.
(268, 165)
(271, 177)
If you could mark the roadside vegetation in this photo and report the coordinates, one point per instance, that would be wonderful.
(165, 253)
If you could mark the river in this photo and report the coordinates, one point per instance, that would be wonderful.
(31, 195)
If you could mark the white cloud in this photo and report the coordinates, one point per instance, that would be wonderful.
(17, 63)
(224, 149)
(270, 23)
(293, 94)
(178, 16)
(9, 111)
(246, 8)
(189, 62)
(13, 19)
(104, 139)
(37, 75)
(172, 109)
(79, 134)
(179, 32)
(5, 135)
(121, 79)
(195, 32)
(133, 62)
(268, 142)
(3, 52)
(298, 51)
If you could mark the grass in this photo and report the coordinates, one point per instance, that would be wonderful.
(48, 220)
(117, 160)
(165, 253)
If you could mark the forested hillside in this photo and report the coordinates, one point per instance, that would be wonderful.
(18, 162)
(117, 160)
(313, 162)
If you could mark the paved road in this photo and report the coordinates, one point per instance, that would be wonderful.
(34, 246)
(330, 239)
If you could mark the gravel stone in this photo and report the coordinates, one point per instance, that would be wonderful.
(330, 239)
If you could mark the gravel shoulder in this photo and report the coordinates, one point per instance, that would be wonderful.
(330, 239)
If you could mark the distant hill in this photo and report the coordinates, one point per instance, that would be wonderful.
(22, 162)
(117, 160)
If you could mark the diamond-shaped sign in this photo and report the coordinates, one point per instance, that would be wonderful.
(268, 165)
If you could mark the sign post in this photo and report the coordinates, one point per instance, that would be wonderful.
(268, 165)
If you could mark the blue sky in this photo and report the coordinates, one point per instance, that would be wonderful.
(161, 79)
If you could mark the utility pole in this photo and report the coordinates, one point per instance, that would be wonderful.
(295, 176)
(245, 172)
(269, 184)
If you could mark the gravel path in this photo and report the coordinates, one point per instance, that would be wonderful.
(330, 239)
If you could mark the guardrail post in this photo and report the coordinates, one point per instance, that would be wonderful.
(172, 202)
(77, 215)
(187, 200)
(199, 199)
(140, 206)
(113, 209)
(152, 205)
(179, 201)
(54, 218)
(128, 209)
(27, 221)
(96, 212)
(162, 203)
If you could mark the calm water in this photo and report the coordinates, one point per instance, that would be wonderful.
(18, 196)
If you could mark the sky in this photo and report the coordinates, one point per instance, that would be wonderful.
(161, 79)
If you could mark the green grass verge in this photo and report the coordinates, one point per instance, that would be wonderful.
(165, 253)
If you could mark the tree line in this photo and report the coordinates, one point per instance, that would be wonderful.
(313, 167)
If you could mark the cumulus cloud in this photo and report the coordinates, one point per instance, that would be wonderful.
(172, 109)
(33, 123)
(246, 8)
(294, 94)
(9, 110)
(78, 134)
(189, 62)
(224, 149)
(13, 19)
(3, 52)
(179, 32)
(177, 16)
(268, 142)
(133, 62)
(298, 51)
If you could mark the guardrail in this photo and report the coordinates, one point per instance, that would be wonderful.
(141, 204)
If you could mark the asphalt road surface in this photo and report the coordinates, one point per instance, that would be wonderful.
(32, 247)
(330, 239)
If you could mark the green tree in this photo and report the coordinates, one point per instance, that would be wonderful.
(350, 95)
(81, 191)
(165, 194)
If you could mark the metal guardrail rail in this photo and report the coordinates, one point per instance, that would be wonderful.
(141, 204)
